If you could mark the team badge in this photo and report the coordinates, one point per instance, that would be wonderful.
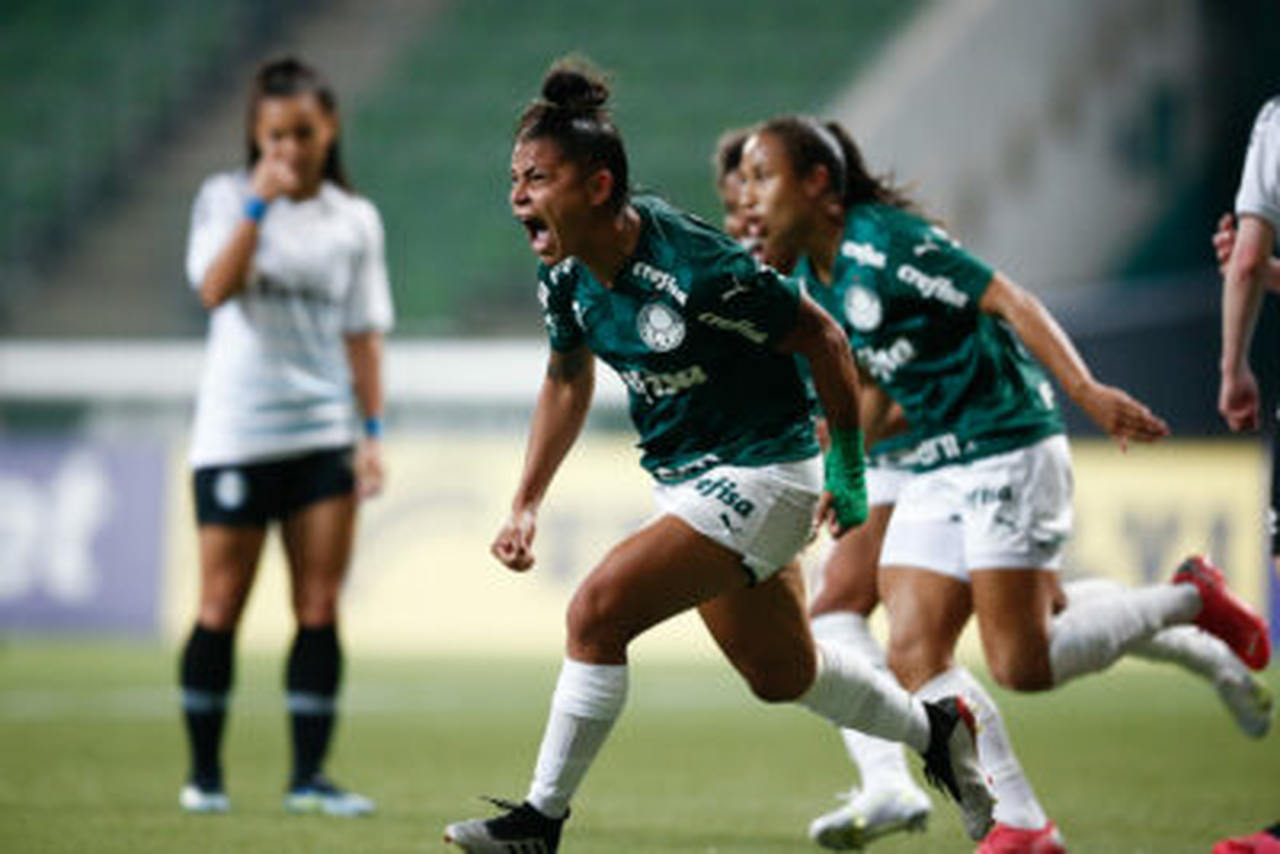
(863, 309)
(230, 489)
(660, 328)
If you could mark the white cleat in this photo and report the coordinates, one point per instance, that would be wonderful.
(1249, 701)
(194, 799)
(951, 763)
(521, 829)
(322, 796)
(870, 815)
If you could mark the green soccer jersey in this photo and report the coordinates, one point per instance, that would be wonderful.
(907, 296)
(689, 325)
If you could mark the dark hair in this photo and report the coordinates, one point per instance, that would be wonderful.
(572, 112)
(728, 154)
(285, 77)
(810, 143)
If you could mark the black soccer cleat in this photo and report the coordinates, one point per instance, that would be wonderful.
(951, 763)
(521, 829)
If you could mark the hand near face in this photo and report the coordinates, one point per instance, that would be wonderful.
(273, 178)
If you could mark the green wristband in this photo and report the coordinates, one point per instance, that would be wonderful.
(845, 470)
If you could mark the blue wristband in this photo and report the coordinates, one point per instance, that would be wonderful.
(373, 427)
(255, 208)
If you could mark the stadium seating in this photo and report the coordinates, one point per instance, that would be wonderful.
(432, 146)
(90, 89)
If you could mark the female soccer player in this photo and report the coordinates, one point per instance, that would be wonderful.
(887, 799)
(289, 261)
(702, 336)
(979, 526)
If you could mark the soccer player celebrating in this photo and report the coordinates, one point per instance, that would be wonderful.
(979, 527)
(289, 261)
(887, 800)
(704, 339)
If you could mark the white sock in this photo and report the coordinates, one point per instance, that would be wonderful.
(1192, 649)
(1016, 802)
(881, 764)
(850, 692)
(1095, 631)
(587, 700)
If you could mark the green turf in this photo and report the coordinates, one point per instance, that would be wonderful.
(91, 757)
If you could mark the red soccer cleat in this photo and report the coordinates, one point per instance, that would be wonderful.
(1262, 842)
(1004, 839)
(1223, 615)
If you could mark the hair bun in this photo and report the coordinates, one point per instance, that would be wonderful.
(574, 88)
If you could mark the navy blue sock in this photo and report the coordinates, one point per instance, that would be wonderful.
(311, 680)
(205, 673)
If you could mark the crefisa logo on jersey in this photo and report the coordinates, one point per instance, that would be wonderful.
(863, 309)
(660, 328)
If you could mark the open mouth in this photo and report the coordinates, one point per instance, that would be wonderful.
(753, 239)
(538, 233)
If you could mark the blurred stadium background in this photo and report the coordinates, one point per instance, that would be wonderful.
(1085, 147)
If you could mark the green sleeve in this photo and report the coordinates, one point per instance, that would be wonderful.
(555, 293)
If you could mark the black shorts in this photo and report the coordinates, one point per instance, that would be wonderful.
(252, 494)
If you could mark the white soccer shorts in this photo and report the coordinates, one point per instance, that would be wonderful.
(764, 513)
(1008, 511)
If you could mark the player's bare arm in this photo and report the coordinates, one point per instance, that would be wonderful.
(229, 271)
(823, 344)
(1117, 413)
(881, 417)
(364, 355)
(558, 417)
(1242, 289)
(1224, 240)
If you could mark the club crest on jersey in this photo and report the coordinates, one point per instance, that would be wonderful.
(660, 328)
(863, 309)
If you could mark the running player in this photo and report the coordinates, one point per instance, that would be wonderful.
(887, 799)
(702, 336)
(289, 262)
(987, 512)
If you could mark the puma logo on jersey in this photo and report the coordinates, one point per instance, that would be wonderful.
(738, 288)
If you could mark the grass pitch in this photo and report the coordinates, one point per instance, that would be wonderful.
(1142, 759)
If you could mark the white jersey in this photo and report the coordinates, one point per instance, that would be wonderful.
(276, 379)
(1260, 184)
